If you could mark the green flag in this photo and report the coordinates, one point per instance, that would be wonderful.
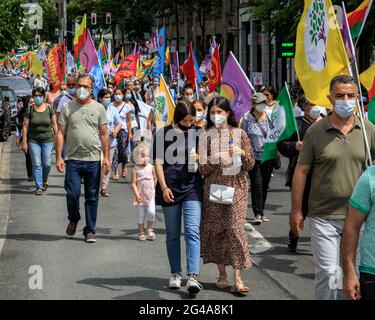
(283, 124)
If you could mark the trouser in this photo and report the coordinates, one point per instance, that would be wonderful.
(260, 177)
(122, 150)
(191, 211)
(41, 157)
(367, 282)
(104, 181)
(90, 172)
(29, 165)
(148, 211)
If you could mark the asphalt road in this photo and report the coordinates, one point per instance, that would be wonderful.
(118, 266)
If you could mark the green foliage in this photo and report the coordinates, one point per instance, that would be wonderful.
(50, 21)
(11, 18)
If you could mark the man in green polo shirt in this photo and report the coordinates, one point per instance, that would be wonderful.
(361, 209)
(334, 149)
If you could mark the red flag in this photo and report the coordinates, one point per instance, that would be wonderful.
(127, 69)
(56, 62)
(214, 76)
(188, 68)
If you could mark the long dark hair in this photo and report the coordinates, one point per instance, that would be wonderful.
(224, 105)
(183, 109)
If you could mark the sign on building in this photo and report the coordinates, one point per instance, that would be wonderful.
(257, 78)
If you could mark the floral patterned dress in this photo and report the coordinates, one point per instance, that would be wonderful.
(145, 184)
(223, 238)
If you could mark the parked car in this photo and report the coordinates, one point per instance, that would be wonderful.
(21, 87)
(5, 117)
(12, 99)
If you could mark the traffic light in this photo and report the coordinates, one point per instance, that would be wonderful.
(93, 18)
(37, 39)
(57, 31)
(108, 18)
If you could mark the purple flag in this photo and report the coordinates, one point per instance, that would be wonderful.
(175, 65)
(236, 87)
(206, 64)
(346, 36)
(88, 55)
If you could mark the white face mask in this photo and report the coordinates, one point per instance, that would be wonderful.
(261, 107)
(218, 120)
(200, 115)
(83, 94)
(314, 112)
(345, 108)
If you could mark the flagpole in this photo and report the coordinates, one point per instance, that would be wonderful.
(361, 108)
(178, 75)
(294, 118)
(243, 73)
(364, 22)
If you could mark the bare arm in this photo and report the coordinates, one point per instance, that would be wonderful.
(117, 130)
(352, 227)
(59, 146)
(105, 141)
(299, 183)
(128, 123)
(167, 192)
(54, 124)
(135, 187)
(25, 129)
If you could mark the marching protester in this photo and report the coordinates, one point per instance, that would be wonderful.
(223, 238)
(121, 156)
(331, 147)
(257, 125)
(270, 94)
(51, 95)
(84, 122)
(200, 114)
(143, 186)
(361, 211)
(290, 148)
(68, 96)
(21, 110)
(114, 126)
(63, 91)
(38, 132)
(189, 92)
(179, 192)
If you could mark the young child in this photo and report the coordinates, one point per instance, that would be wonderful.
(143, 185)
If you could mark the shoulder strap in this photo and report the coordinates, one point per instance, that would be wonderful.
(260, 127)
(31, 108)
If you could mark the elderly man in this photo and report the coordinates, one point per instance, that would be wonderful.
(84, 121)
(334, 147)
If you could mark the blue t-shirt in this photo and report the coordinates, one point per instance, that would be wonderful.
(363, 200)
(185, 185)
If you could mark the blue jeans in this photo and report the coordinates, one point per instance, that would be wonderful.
(40, 154)
(191, 210)
(90, 171)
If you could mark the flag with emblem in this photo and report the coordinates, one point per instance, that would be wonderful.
(164, 106)
(320, 52)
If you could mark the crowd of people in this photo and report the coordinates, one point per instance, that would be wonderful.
(201, 167)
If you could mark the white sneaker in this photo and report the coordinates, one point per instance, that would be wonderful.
(193, 286)
(175, 281)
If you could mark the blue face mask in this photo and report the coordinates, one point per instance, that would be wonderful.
(345, 108)
(156, 84)
(128, 96)
(106, 101)
(38, 100)
(118, 97)
(72, 91)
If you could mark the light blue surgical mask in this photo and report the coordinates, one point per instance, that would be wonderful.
(38, 100)
(128, 96)
(156, 84)
(345, 108)
(107, 101)
(118, 97)
(72, 91)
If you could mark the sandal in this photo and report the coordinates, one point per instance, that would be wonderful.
(265, 219)
(142, 236)
(223, 282)
(104, 193)
(38, 192)
(240, 289)
(151, 235)
(45, 185)
(116, 177)
(124, 172)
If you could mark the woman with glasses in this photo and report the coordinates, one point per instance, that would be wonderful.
(39, 129)
(270, 94)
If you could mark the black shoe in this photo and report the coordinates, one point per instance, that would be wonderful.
(292, 242)
(45, 185)
(30, 178)
(71, 229)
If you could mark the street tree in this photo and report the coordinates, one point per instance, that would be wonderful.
(11, 21)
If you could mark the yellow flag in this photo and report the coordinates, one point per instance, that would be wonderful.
(320, 51)
(36, 66)
(164, 106)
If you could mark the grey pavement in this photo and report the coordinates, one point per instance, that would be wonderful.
(119, 266)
